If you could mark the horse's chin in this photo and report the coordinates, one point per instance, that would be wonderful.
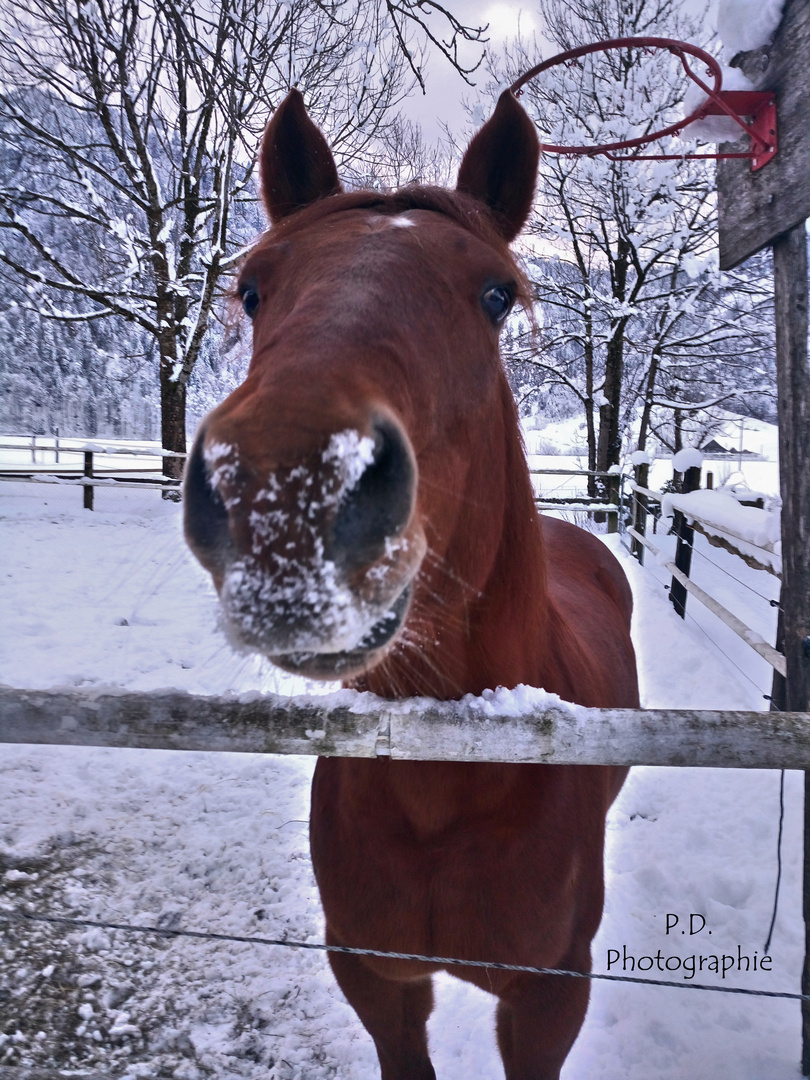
(369, 651)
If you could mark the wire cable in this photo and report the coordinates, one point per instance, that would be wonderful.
(724, 653)
(778, 856)
(24, 916)
(728, 573)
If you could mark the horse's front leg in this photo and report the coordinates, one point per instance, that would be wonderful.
(394, 1013)
(538, 1019)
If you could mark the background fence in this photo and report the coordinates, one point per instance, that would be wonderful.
(85, 464)
(756, 569)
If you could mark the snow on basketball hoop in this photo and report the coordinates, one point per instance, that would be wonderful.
(714, 129)
(743, 25)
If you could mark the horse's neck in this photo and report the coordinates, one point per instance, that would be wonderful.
(514, 617)
(496, 637)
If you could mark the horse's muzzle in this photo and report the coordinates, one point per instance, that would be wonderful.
(368, 652)
(313, 561)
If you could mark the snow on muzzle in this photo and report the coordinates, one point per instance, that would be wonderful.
(314, 561)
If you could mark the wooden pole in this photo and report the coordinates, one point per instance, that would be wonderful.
(793, 387)
(683, 550)
(88, 488)
(793, 390)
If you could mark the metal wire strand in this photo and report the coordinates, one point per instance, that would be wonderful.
(728, 573)
(25, 916)
(778, 856)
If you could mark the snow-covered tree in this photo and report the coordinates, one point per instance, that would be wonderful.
(634, 314)
(128, 133)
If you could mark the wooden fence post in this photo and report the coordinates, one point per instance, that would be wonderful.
(793, 395)
(613, 497)
(683, 550)
(88, 471)
(640, 510)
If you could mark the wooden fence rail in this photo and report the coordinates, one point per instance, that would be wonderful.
(584, 504)
(744, 551)
(85, 475)
(749, 636)
(360, 725)
(641, 498)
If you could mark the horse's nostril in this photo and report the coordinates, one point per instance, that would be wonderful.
(205, 519)
(379, 506)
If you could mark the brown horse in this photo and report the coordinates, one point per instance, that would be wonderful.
(363, 504)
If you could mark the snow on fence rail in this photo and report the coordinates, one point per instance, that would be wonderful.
(56, 445)
(751, 533)
(520, 726)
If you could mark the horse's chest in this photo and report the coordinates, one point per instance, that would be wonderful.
(467, 889)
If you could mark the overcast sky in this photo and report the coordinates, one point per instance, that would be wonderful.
(446, 90)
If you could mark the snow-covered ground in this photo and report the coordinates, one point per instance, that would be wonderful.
(218, 842)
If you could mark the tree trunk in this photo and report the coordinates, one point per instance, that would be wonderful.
(677, 438)
(589, 421)
(642, 472)
(172, 421)
(610, 436)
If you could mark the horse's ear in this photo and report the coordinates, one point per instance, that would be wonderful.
(297, 167)
(500, 165)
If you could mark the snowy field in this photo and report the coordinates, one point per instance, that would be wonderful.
(218, 842)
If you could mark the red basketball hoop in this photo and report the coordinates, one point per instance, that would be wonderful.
(759, 105)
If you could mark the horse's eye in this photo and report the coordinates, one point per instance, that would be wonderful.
(250, 300)
(496, 302)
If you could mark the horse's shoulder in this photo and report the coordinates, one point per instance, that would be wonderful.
(581, 563)
(591, 606)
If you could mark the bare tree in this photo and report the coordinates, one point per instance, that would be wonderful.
(129, 129)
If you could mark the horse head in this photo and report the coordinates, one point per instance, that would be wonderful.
(349, 498)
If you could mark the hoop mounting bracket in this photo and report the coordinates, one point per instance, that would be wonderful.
(760, 105)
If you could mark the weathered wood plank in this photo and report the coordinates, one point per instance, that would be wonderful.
(793, 399)
(793, 394)
(756, 207)
(173, 720)
(471, 730)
